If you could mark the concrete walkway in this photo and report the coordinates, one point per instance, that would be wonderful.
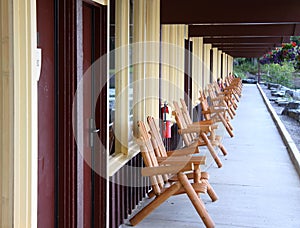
(258, 185)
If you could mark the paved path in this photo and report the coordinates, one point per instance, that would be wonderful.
(258, 185)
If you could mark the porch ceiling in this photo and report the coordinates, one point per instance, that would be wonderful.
(240, 29)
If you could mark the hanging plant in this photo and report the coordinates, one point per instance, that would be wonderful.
(289, 52)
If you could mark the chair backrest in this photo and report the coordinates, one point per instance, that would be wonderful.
(217, 87)
(187, 117)
(185, 112)
(212, 93)
(204, 105)
(149, 157)
(156, 138)
(181, 123)
(214, 98)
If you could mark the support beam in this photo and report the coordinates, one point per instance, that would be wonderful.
(244, 30)
(247, 40)
(219, 11)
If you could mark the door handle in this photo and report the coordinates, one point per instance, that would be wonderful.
(93, 130)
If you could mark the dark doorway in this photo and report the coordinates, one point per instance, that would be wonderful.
(188, 73)
(211, 65)
(46, 126)
(94, 67)
(72, 36)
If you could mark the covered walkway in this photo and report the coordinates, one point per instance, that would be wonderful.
(258, 185)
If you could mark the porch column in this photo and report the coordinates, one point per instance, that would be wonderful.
(219, 74)
(197, 68)
(180, 61)
(25, 114)
(225, 65)
(206, 55)
(6, 115)
(138, 52)
(230, 64)
(172, 59)
(122, 76)
(152, 54)
(215, 65)
(165, 67)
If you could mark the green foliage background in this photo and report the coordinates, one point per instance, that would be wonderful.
(283, 74)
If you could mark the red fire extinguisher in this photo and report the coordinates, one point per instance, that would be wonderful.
(166, 123)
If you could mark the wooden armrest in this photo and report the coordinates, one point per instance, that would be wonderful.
(214, 127)
(217, 98)
(224, 93)
(182, 160)
(206, 112)
(203, 123)
(219, 109)
(195, 129)
(220, 105)
(183, 151)
(170, 169)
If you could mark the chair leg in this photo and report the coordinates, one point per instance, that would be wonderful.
(222, 148)
(229, 111)
(225, 123)
(229, 124)
(196, 201)
(203, 178)
(154, 204)
(210, 191)
(211, 149)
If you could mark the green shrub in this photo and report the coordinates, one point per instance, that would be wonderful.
(280, 74)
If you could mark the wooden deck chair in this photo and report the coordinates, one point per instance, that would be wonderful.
(196, 134)
(229, 93)
(215, 139)
(217, 102)
(227, 90)
(161, 152)
(236, 82)
(217, 114)
(232, 86)
(164, 191)
(220, 100)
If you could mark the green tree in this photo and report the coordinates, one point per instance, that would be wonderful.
(242, 66)
(280, 74)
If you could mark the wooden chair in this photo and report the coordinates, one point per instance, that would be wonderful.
(216, 114)
(215, 139)
(163, 191)
(161, 152)
(236, 83)
(220, 100)
(228, 92)
(232, 86)
(198, 134)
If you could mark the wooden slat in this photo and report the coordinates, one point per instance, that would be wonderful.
(177, 160)
(159, 170)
